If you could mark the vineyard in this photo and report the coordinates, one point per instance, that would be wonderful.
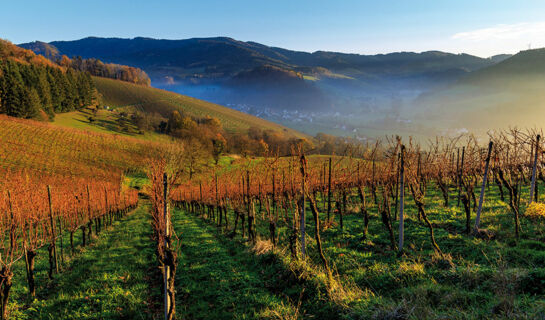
(103, 226)
(392, 230)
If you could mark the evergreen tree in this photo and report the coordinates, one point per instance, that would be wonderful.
(44, 92)
(57, 94)
(30, 107)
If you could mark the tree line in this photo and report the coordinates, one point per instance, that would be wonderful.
(106, 70)
(206, 140)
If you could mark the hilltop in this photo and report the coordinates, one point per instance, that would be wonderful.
(34, 87)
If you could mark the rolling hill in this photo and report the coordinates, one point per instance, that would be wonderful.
(332, 92)
(510, 93)
(123, 94)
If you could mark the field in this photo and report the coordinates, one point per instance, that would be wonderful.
(447, 264)
(108, 280)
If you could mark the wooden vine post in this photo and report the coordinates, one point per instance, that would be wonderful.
(534, 167)
(217, 200)
(302, 206)
(329, 192)
(401, 196)
(53, 265)
(90, 223)
(460, 173)
(398, 173)
(481, 197)
(166, 244)
(200, 197)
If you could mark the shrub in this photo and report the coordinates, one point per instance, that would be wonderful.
(536, 210)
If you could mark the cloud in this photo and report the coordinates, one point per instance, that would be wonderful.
(518, 31)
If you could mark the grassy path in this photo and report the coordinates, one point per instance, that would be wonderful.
(108, 280)
(216, 279)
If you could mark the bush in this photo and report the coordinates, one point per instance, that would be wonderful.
(536, 210)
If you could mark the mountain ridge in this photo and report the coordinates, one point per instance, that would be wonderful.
(121, 50)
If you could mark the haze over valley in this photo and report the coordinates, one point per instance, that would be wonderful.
(363, 96)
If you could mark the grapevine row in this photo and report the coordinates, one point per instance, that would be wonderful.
(37, 210)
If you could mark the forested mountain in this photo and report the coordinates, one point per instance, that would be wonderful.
(223, 57)
(33, 87)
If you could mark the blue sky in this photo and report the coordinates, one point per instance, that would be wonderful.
(480, 27)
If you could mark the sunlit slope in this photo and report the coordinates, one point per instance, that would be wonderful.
(104, 122)
(509, 94)
(121, 94)
(48, 148)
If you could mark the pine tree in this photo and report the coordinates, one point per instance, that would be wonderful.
(57, 94)
(44, 92)
(31, 104)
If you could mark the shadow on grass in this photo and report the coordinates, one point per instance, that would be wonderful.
(109, 280)
(219, 278)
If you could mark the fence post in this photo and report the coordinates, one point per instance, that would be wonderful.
(481, 197)
(533, 185)
(458, 175)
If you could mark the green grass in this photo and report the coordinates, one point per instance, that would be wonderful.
(489, 279)
(112, 279)
(105, 122)
(219, 278)
(215, 280)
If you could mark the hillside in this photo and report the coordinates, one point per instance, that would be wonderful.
(18, 54)
(123, 94)
(94, 66)
(50, 149)
(43, 48)
(510, 93)
(275, 87)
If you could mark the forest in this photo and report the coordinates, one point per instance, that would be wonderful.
(33, 88)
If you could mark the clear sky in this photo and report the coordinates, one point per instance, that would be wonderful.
(480, 27)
